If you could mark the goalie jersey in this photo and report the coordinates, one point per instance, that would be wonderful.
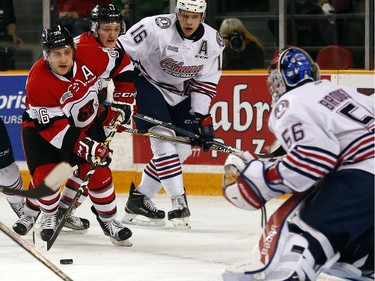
(176, 66)
(324, 128)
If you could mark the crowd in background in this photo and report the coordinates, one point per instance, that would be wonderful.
(327, 26)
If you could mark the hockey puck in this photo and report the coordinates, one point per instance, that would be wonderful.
(66, 261)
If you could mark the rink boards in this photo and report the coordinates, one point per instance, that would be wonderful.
(240, 112)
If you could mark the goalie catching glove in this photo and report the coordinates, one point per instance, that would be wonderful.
(203, 126)
(91, 150)
(246, 185)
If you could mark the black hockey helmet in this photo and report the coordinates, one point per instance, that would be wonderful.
(56, 37)
(106, 14)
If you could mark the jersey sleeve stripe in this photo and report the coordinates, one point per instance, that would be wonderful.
(360, 149)
(310, 162)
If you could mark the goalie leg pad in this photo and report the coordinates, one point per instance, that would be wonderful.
(301, 253)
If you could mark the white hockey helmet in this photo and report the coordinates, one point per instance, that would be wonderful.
(195, 6)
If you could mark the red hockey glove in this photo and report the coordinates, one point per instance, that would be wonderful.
(203, 126)
(89, 149)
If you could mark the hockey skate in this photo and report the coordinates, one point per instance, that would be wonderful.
(48, 223)
(180, 213)
(18, 208)
(74, 222)
(140, 210)
(118, 234)
(23, 225)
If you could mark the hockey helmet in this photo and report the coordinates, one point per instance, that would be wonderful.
(195, 6)
(106, 14)
(289, 69)
(57, 37)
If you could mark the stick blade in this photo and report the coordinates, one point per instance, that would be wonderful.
(58, 176)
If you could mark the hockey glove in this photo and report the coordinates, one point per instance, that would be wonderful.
(89, 149)
(124, 109)
(107, 115)
(203, 126)
(234, 166)
(247, 186)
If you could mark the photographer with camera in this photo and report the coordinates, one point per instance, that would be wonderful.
(242, 49)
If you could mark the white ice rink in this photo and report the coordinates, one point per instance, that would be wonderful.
(221, 235)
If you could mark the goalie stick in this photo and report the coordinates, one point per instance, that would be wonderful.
(34, 252)
(83, 186)
(50, 184)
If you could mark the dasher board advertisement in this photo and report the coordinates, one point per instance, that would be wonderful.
(12, 106)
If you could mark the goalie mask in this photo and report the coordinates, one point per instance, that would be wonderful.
(291, 68)
(106, 14)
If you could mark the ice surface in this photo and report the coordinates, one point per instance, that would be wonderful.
(221, 235)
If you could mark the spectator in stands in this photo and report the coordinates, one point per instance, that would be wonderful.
(74, 14)
(304, 32)
(242, 49)
(8, 35)
(145, 8)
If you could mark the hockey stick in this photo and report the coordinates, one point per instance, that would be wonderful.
(83, 186)
(34, 252)
(155, 135)
(50, 184)
(218, 146)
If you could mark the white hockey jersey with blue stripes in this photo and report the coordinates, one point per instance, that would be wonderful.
(178, 67)
(323, 127)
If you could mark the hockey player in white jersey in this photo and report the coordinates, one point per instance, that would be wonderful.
(328, 133)
(179, 60)
(10, 175)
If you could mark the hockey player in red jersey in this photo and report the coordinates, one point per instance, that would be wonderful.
(106, 25)
(61, 122)
(179, 59)
(327, 131)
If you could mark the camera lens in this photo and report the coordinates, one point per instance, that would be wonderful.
(235, 40)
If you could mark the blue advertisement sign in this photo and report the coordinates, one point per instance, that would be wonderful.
(12, 106)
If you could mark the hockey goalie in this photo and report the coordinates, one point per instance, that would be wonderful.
(327, 132)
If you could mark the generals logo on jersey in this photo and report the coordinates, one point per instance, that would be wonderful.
(163, 22)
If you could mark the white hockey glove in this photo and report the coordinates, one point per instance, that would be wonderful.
(234, 166)
(250, 189)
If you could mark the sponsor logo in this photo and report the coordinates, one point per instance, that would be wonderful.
(172, 48)
(13, 101)
(268, 241)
